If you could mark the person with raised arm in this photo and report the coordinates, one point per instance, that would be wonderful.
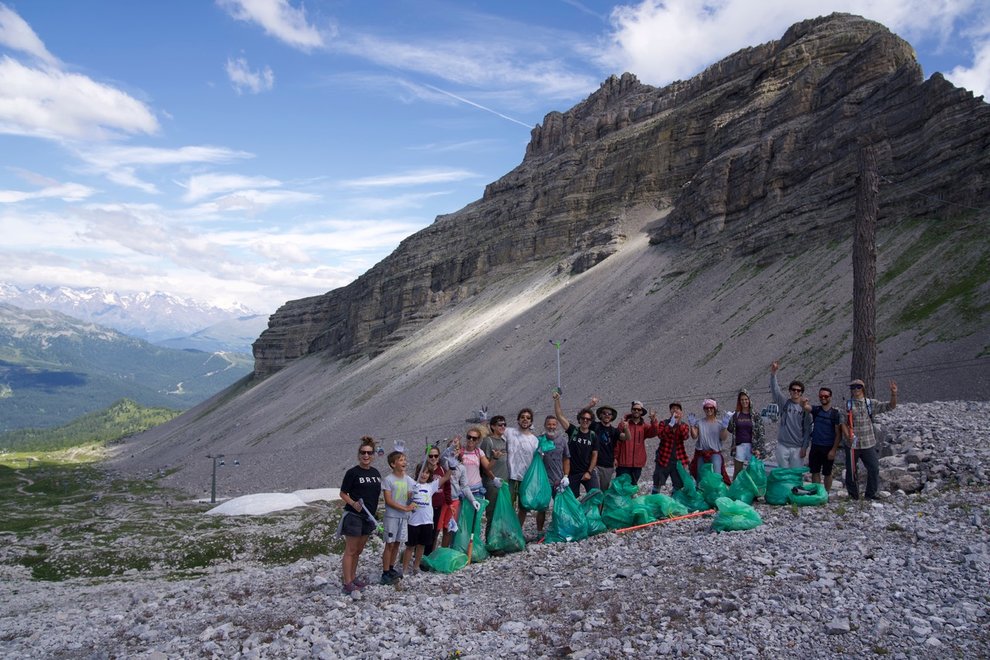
(860, 438)
(795, 422)
(630, 450)
(582, 443)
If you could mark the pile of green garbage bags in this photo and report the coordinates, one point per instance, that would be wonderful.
(786, 486)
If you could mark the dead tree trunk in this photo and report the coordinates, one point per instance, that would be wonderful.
(864, 350)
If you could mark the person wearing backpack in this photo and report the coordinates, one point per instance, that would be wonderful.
(860, 438)
(825, 438)
(795, 422)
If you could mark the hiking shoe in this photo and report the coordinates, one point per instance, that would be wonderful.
(359, 584)
(349, 588)
(387, 579)
(394, 573)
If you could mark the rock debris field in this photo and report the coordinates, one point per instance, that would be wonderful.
(904, 577)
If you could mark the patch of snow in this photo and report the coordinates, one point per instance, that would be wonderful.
(259, 504)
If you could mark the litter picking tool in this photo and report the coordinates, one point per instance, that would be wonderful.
(665, 520)
(374, 520)
(557, 345)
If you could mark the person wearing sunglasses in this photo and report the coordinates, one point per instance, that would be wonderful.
(630, 450)
(794, 435)
(825, 438)
(496, 450)
(860, 439)
(709, 433)
(608, 436)
(440, 498)
(582, 444)
(360, 490)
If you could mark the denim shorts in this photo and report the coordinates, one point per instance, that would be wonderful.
(357, 525)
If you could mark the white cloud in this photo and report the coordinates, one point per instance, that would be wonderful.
(662, 41)
(414, 178)
(16, 34)
(253, 201)
(279, 19)
(975, 78)
(69, 192)
(207, 185)
(478, 63)
(117, 156)
(243, 78)
(118, 164)
(49, 103)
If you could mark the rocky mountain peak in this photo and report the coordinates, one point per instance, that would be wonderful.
(756, 154)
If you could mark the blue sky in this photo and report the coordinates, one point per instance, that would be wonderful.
(257, 151)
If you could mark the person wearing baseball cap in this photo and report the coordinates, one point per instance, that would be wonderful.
(860, 438)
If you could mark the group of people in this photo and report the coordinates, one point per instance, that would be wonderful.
(588, 454)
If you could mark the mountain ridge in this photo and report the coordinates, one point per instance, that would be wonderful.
(679, 253)
(54, 368)
(154, 316)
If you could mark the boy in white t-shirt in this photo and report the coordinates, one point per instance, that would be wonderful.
(420, 529)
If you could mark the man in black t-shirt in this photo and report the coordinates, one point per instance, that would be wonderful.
(608, 435)
(582, 443)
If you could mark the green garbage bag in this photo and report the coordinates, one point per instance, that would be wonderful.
(568, 522)
(505, 533)
(642, 512)
(734, 516)
(617, 508)
(478, 552)
(445, 560)
(591, 503)
(711, 485)
(663, 506)
(688, 495)
(545, 444)
(468, 527)
(809, 495)
(750, 483)
(535, 491)
(781, 481)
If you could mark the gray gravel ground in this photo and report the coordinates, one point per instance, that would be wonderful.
(905, 577)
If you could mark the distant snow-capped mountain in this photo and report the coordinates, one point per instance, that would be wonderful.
(152, 316)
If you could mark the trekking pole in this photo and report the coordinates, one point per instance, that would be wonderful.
(852, 444)
(557, 345)
(665, 520)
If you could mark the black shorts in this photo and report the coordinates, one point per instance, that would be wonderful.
(818, 460)
(420, 535)
(355, 525)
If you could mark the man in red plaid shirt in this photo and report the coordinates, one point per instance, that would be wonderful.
(672, 433)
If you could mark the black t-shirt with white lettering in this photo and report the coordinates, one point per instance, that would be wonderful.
(361, 484)
(581, 445)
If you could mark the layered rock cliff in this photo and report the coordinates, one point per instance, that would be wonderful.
(755, 154)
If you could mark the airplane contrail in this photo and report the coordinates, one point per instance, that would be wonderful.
(477, 105)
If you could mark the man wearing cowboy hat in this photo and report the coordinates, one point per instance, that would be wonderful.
(608, 435)
(630, 451)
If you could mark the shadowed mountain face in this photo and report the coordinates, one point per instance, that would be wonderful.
(680, 239)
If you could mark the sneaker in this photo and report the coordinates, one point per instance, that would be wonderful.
(394, 573)
(349, 588)
(387, 579)
(359, 584)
